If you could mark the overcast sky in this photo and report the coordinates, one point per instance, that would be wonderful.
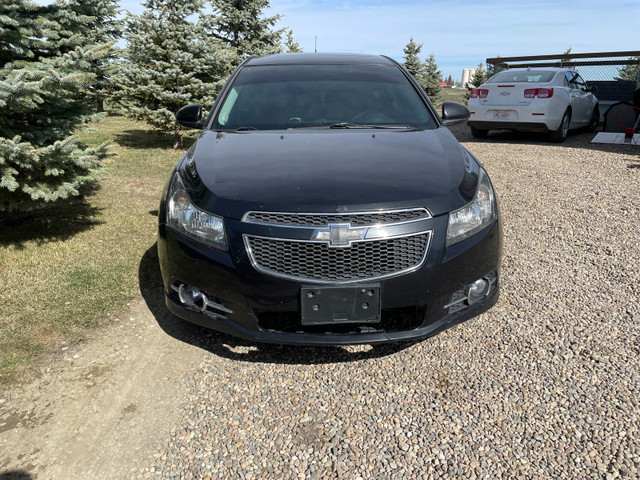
(460, 33)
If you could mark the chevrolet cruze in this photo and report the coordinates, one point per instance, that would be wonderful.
(325, 202)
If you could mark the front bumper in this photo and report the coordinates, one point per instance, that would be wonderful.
(268, 309)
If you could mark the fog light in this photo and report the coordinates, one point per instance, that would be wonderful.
(191, 296)
(478, 290)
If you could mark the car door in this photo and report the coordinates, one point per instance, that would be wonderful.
(580, 100)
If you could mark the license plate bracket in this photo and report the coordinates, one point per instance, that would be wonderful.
(331, 305)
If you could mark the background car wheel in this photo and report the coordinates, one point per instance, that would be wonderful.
(479, 133)
(563, 130)
(595, 119)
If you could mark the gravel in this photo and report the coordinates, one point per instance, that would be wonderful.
(544, 385)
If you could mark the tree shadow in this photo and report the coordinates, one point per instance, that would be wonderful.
(234, 348)
(58, 222)
(146, 139)
(15, 475)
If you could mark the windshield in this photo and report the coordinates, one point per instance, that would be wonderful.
(523, 76)
(275, 97)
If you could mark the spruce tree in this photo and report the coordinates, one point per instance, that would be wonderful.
(630, 72)
(291, 46)
(44, 72)
(171, 61)
(242, 26)
(431, 79)
(104, 27)
(412, 62)
(478, 78)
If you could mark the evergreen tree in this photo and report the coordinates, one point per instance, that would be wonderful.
(629, 72)
(241, 25)
(170, 62)
(104, 28)
(449, 80)
(290, 46)
(431, 79)
(412, 61)
(479, 77)
(44, 72)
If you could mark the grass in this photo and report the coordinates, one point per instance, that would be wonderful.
(66, 269)
(451, 95)
(454, 94)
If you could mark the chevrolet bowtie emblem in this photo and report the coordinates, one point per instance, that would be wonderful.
(339, 234)
(504, 94)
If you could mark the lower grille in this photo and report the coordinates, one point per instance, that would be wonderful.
(318, 262)
(393, 320)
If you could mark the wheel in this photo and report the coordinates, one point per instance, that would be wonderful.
(561, 133)
(595, 119)
(479, 132)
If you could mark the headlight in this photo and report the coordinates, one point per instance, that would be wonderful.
(186, 218)
(476, 215)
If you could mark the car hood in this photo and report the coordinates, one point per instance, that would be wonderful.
(230, 173)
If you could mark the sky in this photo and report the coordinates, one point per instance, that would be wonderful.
(460, 33)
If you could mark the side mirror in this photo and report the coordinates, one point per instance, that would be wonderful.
(190, 116)
(453, 113)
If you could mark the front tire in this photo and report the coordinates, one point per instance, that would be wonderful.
(479, 132)
(561, 133)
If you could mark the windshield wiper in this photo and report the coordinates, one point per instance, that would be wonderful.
(244, 129)
(361, 125)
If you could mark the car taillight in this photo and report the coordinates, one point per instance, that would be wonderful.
(545, 92)
(479, 92)
(538, 92)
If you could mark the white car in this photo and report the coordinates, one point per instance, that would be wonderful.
(533, 99)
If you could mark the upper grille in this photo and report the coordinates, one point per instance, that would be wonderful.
(321, 220)
(319, 262)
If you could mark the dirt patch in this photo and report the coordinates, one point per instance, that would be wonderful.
(112, 397)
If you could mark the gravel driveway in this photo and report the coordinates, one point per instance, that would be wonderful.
(545, 385)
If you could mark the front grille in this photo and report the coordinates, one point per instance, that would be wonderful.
(319, 262)
(321, 220)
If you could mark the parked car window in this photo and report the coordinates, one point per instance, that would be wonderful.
(270, 97)
(522, 76)
(581, 83)
(575, 81)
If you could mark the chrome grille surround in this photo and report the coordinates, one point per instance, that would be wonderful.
(356, 219)
(299, 253)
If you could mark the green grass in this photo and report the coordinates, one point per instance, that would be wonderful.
(66, 268)
(454, 95)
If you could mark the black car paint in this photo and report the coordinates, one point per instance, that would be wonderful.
(325, 170)
(312, 170)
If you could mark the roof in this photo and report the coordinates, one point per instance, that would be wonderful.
(319, 59)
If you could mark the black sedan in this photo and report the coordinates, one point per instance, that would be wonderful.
(326, 202)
